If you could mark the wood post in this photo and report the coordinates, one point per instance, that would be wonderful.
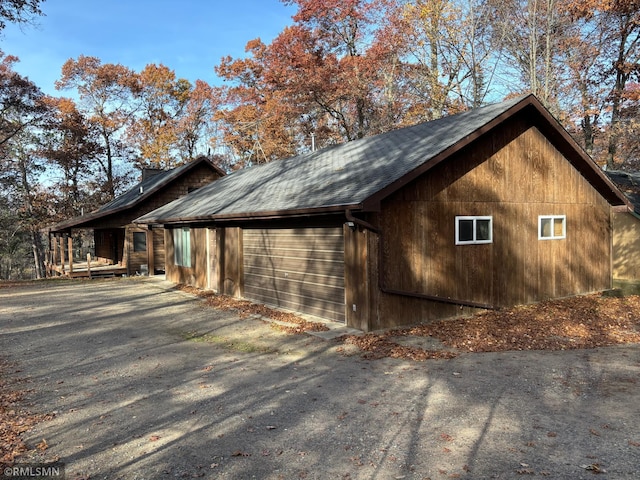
(70, 247)
(62, 259)
(150, 252)
(89, 265)
(54, 253)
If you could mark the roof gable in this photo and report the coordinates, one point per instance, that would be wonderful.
(136, 195)
(360, 173)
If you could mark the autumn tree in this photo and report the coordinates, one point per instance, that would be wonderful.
(153, 131)
(597, 59)
(448, 52)
(529, 33)
(170, 125)
(195, 125)
(21, 103)
(22, 111)
(106, 93)
(330, 77)
(254, 122)
(324, 61)
(70, 144)
(621, 19)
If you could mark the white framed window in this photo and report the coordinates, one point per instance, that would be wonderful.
(182, 246)
(472, 230)
(552, 227)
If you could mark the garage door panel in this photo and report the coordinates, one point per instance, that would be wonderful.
(310, 304)
(334, 292)
(296, 254)
(330, 242)
(300, 269)
(286, 266)
(333, 278)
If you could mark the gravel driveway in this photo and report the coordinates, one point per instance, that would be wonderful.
(149, 383)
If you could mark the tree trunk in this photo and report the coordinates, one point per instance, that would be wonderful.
(38, 254)
(587, 133)
(622, 76)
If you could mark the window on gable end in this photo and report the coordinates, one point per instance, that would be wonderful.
(552, 227)
(471, 230)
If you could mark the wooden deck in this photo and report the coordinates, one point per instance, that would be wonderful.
(81, 269)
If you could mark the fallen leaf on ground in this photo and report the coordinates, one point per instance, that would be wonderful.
(246, 309)
(586, 321)
(240, 453)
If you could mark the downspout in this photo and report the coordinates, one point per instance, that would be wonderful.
(381, 268)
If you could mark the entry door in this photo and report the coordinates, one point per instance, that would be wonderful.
(301, 269)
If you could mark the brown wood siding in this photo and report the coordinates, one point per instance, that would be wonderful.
(134, 260)
(196, 275)
(300, 269)
(212, 260)
(357, 278)
(159, 249)
(626, 246)
(514, 175)
(229, 248)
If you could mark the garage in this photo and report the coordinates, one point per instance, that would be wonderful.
(301, 269)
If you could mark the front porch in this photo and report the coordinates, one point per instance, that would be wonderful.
(62, 263)
(88, 269)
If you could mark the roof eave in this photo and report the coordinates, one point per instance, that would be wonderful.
(251, 216)
(84, 220)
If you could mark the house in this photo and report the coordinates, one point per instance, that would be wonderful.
(126, 247)
(626, 229)
(490, 208)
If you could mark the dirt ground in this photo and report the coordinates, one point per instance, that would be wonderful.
(143, 381)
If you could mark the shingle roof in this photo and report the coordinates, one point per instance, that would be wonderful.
(629, 183)
(337, 177)
(132, 197)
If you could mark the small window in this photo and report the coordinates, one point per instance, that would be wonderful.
(474, 230)
(182, 246)
(552, 227)
(139, 242)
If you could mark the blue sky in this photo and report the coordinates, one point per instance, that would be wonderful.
(189, 36)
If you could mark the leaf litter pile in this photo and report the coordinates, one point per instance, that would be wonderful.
(291, 323)
(14, 420)
(587, 321)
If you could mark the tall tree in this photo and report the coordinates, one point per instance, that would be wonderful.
(530, 34)
(70, 144)
(583, 93)
(608, 56)
(328, 77)
(22, 110)
(196, 122)
(447, 47)
(21, 103)
(22, 182)
(106, 93)
(153, 131)
(255, 120)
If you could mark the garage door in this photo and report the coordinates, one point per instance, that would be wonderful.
(300, 269)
